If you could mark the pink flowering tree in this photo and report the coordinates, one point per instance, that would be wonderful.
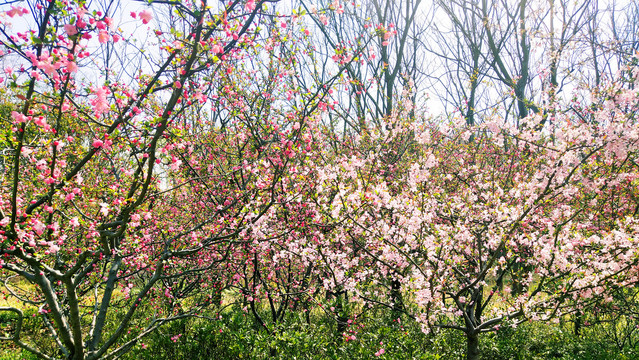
(260, 163)
(101, 202)
(269, 146)
(490, 225)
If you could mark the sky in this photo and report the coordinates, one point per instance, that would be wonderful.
(127, 59)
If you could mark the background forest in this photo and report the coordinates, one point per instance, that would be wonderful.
(319, 179)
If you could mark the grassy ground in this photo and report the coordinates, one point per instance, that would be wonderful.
(234, 334)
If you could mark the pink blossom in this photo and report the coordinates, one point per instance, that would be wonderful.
(81, 24)
(72, 67)
(17, 11)
(46, 63)
(18, 117)
(201, 98)
(26, 151)
(146, 16)
(38, 227)
(53, 248)
(104, 209)
(97, 143)
(41, 164)
(380, 352)
(335, 5)
(100, 103)
(70, 29)
(175, 164)
(41, 122)
(217, 49)
(103, 37)
(250, 5)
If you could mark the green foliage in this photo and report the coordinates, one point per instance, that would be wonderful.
(536, 341)
(32, 326)
(234, 335)
(16, 355)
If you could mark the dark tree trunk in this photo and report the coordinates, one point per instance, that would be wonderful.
(578, 323)
(340, 313)
(396, 298)
(472, 346)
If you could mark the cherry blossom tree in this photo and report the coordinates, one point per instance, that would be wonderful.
(490, 225)
(98, 212)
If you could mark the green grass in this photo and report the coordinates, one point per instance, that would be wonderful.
(234, 334)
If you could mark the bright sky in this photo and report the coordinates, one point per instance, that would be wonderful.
(140, 37)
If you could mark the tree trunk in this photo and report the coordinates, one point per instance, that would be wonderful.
(340, 312)
(396, 298)
(578, 323)
(472, 346)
